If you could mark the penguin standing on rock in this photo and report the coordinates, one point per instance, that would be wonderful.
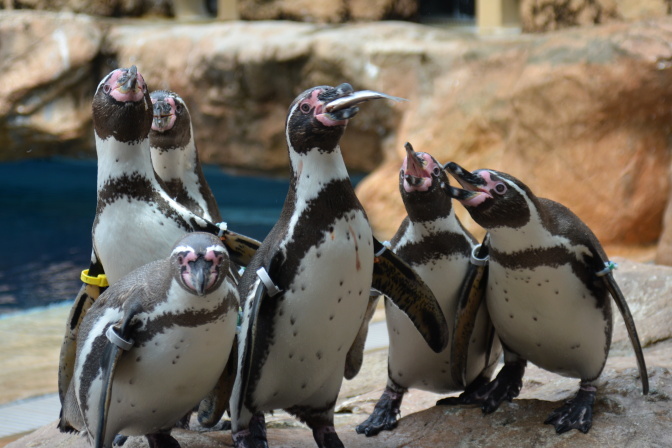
(434, 243)
(154, 344)
(307, 288)
(175, 157)
(548, 290)
(136, 220)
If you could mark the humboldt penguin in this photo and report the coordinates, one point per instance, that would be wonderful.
(154, 344)
(307, 288)
(548, 290)
(434, 243)
(175, 157)
(135, 218)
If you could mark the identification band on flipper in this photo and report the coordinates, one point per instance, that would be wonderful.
(268, 283)
(223, 227)
(117, 340)
(478, 261)
(608, 267)
(99, 280)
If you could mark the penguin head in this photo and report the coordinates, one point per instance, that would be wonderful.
(311, 126)
(171, 121)
(121, 106)
(318, 116)
(200, 263)
(422, 183)
(492, 198)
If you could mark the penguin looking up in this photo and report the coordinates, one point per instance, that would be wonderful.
(434, 243)
(548, 290)
(175, 157)
(136, 220)
(307, 288)
(154, 344)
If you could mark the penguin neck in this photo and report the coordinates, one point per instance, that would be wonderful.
(176, 163)
(533, 234)
(419, 230)
(311, 171)
(116, 159)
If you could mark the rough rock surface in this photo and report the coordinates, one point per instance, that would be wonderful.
(581, 116)
(623, 416)
(549, 15)
(332, 11)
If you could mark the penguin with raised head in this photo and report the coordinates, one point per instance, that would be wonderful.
(434, 243)
(154, 344)
(548, 290)
(307, 288)
(135, 218)
(175, 157)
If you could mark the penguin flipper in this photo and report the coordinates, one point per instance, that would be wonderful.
(212, 407)
(355, 356)
(397, 280)
(615, 290)
(85, 298)
(470, 298)
(262, 311)
(241, 248)
(119, 340)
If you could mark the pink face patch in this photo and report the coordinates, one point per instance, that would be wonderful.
(120, 91)
(319, 111)
(163, 122)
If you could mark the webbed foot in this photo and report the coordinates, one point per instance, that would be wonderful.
(326, 437)
(506, 386)
(384, 415)
(576, 413)
(254, 436)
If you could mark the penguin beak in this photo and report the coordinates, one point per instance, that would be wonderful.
(350, 100)
(163, 114)
(414, 172)
(344, 107)
(199, 275)
(128, 81)
(471, 195)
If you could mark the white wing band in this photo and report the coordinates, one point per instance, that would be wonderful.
(478, 261)
(117, 340)
(268, 283)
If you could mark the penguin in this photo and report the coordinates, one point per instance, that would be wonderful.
(154, 344)
(175, 157)
(548, 288)
(135, 218)
(306, 290)
(434, 243)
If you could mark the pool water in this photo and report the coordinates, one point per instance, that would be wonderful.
(47, 207)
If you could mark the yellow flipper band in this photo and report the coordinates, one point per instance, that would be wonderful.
(101, 280)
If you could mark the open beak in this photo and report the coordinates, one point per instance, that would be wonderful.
(415, 173)
(470, 194)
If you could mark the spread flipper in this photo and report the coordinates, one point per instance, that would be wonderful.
(622, 305)
(240, 247)
(120, 339)
(398, 281)
(470, 299)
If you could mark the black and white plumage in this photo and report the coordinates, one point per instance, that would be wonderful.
(434, 243)
(173, 322)
(136, 220)
(175, 157)
(303, 310)
(548, 290)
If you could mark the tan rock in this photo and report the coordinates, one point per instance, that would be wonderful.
(574, 116)
(47, 80)
(328, 11)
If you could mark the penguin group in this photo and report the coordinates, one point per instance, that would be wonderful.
(166, 322)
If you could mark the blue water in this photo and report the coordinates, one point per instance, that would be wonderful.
(47, 207)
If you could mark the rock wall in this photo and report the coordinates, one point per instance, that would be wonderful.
(548, 15)
(581, 116)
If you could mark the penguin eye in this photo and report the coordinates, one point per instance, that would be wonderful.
(500, 188)
(305, 108)
(436, 171)
(107, 88)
